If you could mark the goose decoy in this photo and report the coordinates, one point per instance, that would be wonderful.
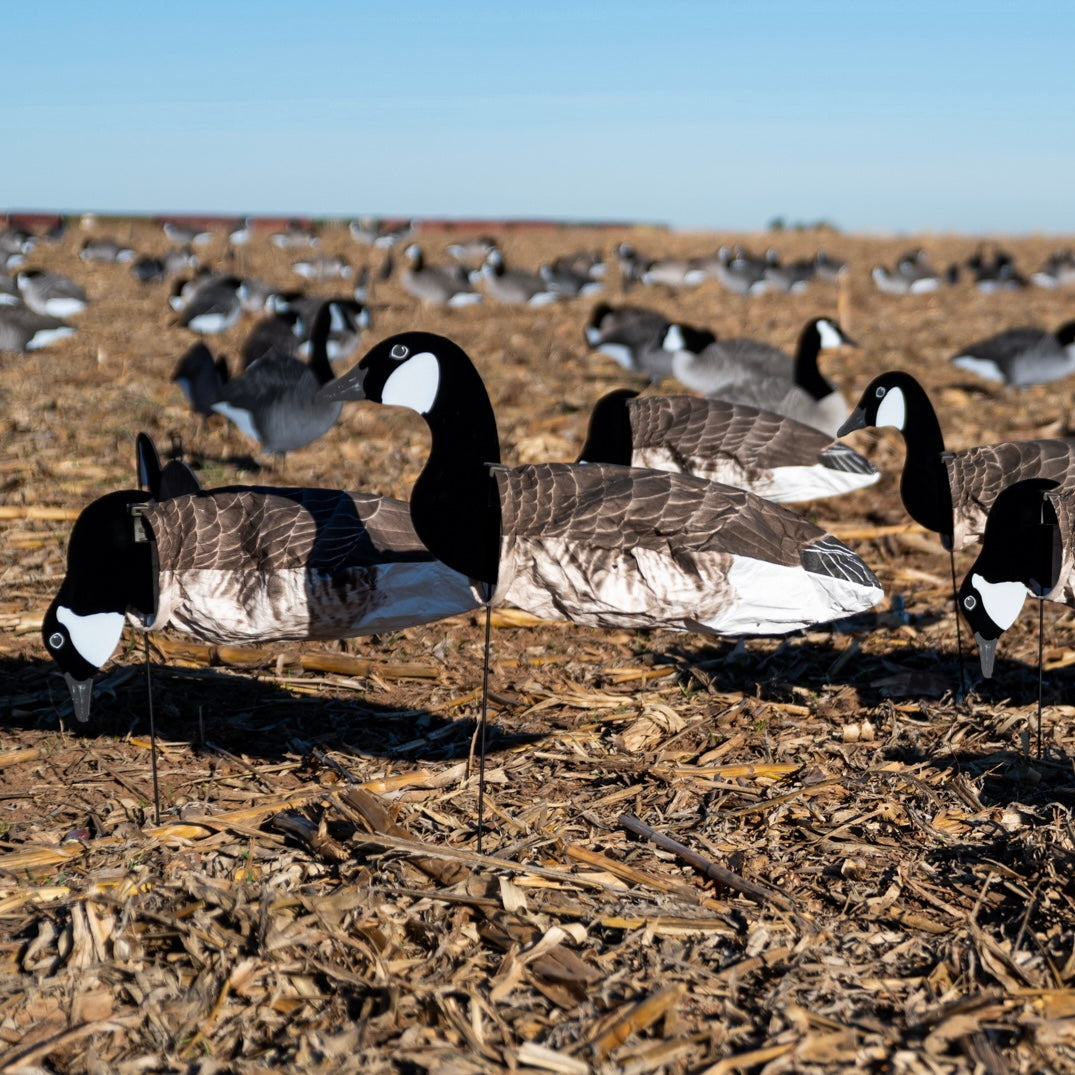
(674, 272)
(275, 334)
(1027, 549)
(200, 377)
(514, 286)
(240, 564)
(105, 249)
(951, 493)
(568, 278)
(240, 232)
(51, 293)
(446, 286)
(274, 400)
(348, 319)
(828, 268)
(295, 236)
(186, 234)
(1058, 270)
(996, 273)
(913, 275)
(323, 267)
(1021, 356)
(640, 339)
(22, 329)
(738, 271)
(743, 370)
(215, 305)
(599, 544)
(775, 457)
(471, 252)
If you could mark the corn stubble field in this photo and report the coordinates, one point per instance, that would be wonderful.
(872, 873)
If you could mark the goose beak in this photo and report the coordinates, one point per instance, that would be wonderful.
(855, 420)
(349, 386)
(81, 696)
(987, 652)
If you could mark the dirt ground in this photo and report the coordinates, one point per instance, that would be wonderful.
(868, 872)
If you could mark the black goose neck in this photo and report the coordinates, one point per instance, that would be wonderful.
(924, 486)
(807, 376)
(455, 503)
(319, 361)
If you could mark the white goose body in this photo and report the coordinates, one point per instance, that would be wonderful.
(600, 544)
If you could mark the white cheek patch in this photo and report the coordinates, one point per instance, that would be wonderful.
(1002, 600)
(673, 339)
(414, 384)
(893, 409)
(94, 636)
(830, 338)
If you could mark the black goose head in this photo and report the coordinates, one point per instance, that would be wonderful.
(111, 567)
(893, 399)
(1020, 554)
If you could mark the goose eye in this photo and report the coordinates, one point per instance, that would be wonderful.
(56, 640)
(970, 602)
(399, 351)
(880, 391)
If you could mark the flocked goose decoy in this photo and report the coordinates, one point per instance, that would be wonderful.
(640, 339)
(240, 564)
(951, 493)
(215, 305)
(274, 400)
(600, 544)
(1021, 356)
(514, 286)
(103, 248)
(51, 293)
(1028, 548)
(744, 370)
(775, 457)
(913, 275)
(22, 329)
(444, 286)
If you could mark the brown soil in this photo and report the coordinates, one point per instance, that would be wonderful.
(882, 873)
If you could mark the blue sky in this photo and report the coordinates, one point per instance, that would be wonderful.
(885, 117)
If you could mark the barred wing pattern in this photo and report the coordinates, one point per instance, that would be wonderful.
(977, 475)
(254, 565)
(774, 456)
(610, 546)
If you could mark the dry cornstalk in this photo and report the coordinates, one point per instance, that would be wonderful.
(39, 511)
(720, 874)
